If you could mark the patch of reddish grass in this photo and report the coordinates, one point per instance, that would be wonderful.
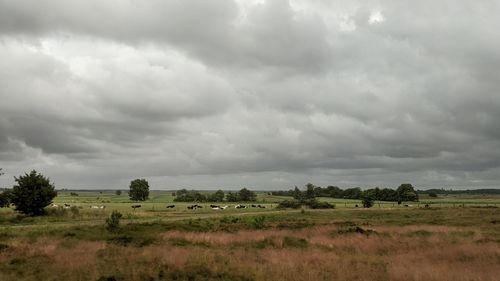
(429, 253)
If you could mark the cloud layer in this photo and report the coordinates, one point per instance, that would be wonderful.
(263, 94)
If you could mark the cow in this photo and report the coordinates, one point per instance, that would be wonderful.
(356, 206)
(214, 206)
(240, 206)
(94, 207)
(254, 206)
(170, 206)
(67, 205)
(224, 207)
(261, 206)
(102, 207)
(427, 205)
(135, 206)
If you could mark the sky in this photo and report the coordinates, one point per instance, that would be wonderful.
(259, 94)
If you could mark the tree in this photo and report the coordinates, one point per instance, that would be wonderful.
(5, 198)
(297, 194)
(406, 192)
(32, 193)
(118, 192)
(139, 190)
(218, 196)
(232, 197)
(247, 195)
(309, 194)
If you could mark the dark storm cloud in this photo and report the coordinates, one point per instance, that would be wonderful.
(258, 93)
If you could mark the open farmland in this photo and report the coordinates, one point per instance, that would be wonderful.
(447, 241)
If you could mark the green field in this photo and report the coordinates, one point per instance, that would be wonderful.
(455, 238)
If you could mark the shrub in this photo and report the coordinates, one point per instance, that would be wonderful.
(293, 204)
(367, 202)
(315, 204)
(113, 222)
(258, 222)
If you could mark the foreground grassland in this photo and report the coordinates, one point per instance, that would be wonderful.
(154, 243)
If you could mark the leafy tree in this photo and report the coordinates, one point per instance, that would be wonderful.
(310, 194)
(1, 173)
(190, 196)
(218, 196)
(232, 197)
(32, 193)
(139, 190)
(118, 192)
(297, 194)
(247, 195)
(406, 192)
(5, 198)
(352, 193)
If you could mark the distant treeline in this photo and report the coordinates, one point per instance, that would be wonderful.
(244, 194)
(404, 192)
(489, 191)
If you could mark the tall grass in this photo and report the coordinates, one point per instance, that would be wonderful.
(323, 252)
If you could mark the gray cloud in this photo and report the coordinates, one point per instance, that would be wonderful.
(266, 94)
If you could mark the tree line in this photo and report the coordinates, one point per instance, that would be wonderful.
(243, 195)
(405, 192)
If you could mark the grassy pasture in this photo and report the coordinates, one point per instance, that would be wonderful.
(346, 243)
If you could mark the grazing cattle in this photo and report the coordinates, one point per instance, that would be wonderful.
(94, 207)
(194, 207)
(170, 206)
(261, 206)
(254, 206)
(214, 206)
(66, 205)
(54, 206)
(240, 206)
(135, 206)
(406, 205)
(224, 207)
(102, 207)
(427, 205)
(356, 206)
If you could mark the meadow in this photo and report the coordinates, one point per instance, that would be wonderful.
(455, 238)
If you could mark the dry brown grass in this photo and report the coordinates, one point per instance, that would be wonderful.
(417, 252)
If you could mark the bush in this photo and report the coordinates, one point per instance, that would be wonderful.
(292, 204)
(113, 222)
(258, 222)
(367, 202)
(32, 193)
(315, 204)
(432, 194)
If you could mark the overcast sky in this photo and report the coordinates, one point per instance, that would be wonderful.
(259, 94)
